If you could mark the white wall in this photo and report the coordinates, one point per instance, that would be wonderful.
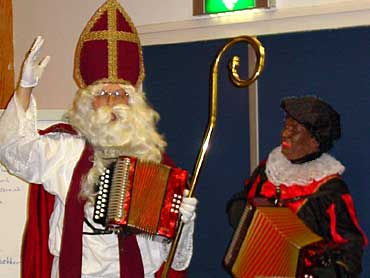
(171, 21)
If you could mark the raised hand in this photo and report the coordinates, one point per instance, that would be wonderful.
(32, 70)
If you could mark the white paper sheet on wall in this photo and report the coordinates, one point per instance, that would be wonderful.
(13, 198)
(13, 212)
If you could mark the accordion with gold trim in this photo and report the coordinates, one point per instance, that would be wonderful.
(271, 242)
(142, 195)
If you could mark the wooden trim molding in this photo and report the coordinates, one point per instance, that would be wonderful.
(6, 52)
(198, 7)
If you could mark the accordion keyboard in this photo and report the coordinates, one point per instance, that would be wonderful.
(141, 195)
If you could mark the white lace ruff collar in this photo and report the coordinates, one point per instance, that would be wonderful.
(280, 170)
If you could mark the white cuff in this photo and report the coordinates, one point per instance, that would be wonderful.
(184, 250)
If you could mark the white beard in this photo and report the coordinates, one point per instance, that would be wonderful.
(120, 131)
(115, 131)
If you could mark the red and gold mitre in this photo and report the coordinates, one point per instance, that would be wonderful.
(109, 49)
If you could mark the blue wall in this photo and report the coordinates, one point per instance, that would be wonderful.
(332, 64)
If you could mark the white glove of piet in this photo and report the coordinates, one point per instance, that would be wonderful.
(32, 70)
(188, 207)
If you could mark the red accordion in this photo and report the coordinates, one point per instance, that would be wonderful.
(270, 242)
(142, 195)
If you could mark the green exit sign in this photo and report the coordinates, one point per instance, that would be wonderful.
(202, 7)
(221, 6)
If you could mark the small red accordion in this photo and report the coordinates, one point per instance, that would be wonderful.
(270, 242)
(142, 195)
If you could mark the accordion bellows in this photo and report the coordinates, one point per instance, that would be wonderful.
(142, 195)
(268, 242)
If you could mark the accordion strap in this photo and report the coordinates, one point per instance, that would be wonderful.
(95, 231)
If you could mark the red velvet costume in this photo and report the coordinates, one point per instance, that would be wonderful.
(324, 205)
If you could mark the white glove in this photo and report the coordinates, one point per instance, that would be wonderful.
(187, 208)
(32, 70)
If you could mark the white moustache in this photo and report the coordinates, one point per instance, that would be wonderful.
(106, 114)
